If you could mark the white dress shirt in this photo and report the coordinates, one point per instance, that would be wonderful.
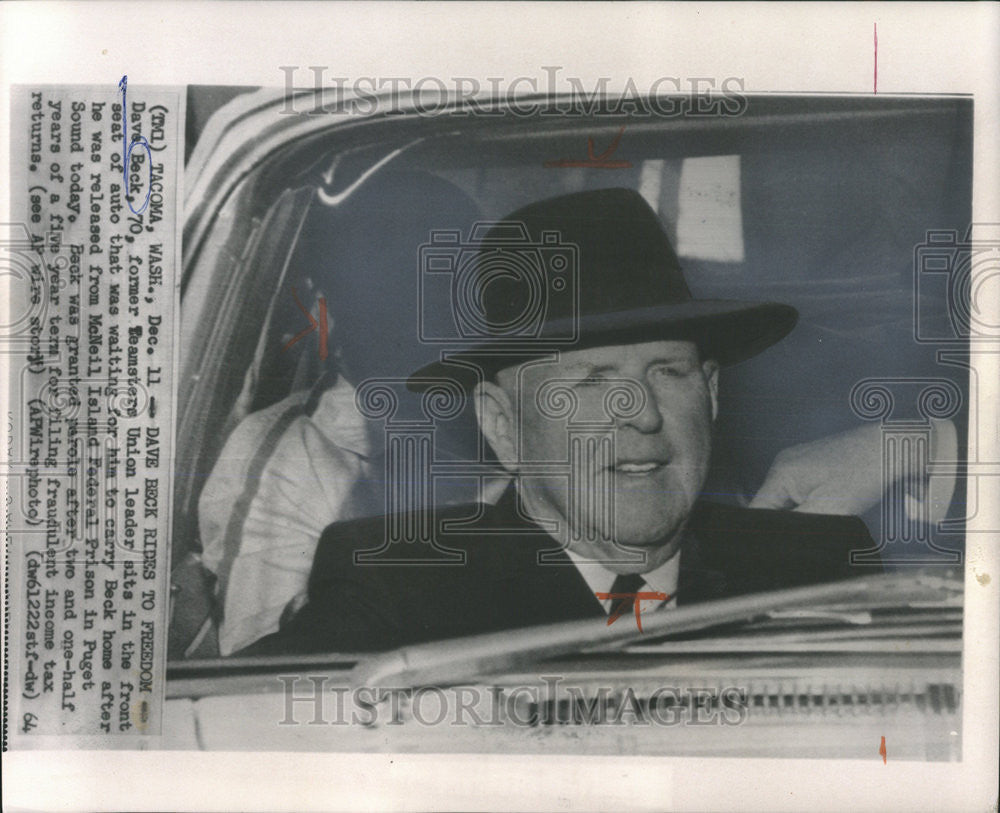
(661, 580)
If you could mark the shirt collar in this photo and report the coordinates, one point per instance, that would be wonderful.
(599, 579)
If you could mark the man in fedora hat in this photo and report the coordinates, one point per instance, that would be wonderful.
(600, 404)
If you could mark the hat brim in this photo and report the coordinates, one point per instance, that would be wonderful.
(727, 331)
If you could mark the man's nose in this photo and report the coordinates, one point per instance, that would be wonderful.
(645, 417)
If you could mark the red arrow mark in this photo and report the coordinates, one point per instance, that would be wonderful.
(875, 88)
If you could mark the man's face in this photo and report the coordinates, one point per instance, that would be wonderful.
(661, 445)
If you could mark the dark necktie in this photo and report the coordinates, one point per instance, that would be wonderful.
(630, 583)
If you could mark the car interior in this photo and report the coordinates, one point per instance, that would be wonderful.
(313, 271)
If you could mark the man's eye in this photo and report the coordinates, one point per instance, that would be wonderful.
(672, 370)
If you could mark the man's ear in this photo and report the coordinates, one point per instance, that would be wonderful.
(495, 413)
(710, 369)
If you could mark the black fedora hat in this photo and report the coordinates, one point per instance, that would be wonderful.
(586, 270)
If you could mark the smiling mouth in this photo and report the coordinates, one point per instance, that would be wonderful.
(638, 469)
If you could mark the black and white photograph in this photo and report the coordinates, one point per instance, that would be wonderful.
(458, 417)
(463, 388)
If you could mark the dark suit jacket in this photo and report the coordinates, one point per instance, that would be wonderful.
(501, 585)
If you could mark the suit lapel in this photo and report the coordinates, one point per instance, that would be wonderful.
(550, 587)
(556, 590)
(696, 581)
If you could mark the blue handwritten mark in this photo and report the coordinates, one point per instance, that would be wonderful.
(138, 140)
